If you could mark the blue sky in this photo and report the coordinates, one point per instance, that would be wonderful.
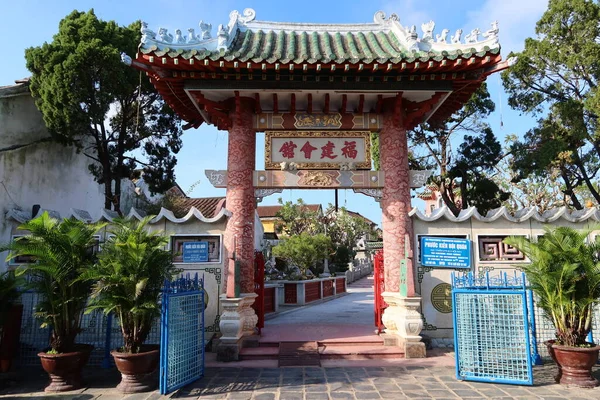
(28, 23)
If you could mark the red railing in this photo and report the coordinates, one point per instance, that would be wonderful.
(269, 300)
(340, 285)
(379, 286)
(312, 291)
(290, 295)
(259, 289)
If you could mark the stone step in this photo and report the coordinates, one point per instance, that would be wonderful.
(360, 352)
(259, 353)
(353, 342)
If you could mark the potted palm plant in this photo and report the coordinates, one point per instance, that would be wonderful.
(62, 250)
(129, 276)
(564, 274)
(10, 318)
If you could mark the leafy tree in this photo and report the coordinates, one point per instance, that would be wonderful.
(91, 100)
(556, 78)
(345, 229)
(304, 250)
(297, 218)
(543, 189)
(466, 168)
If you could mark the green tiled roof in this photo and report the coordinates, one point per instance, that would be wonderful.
(317, 47)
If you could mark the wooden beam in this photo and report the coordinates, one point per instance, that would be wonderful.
(361, 103)
(423, 108)
(257, 107)
(293, 103)
(326, 108)
(309, 104)
(379, 105)
(344, 103)
(275, 103)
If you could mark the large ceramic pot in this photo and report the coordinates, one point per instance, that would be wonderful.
(137, 370)
(549, 345)
(64, 369)
(575, 365)
(9, 340)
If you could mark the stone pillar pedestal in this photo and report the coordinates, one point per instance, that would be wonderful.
(326, 273)
(403, 321)
(238, 321)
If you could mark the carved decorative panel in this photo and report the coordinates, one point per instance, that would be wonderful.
(492, 248)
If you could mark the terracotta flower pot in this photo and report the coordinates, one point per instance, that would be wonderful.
(11, 332)
(65, 369)
(575, 365)
(549, 345)
(137, 369)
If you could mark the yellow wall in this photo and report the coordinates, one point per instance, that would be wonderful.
(268, 226)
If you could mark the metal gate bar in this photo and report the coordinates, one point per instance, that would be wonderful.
(491, 330)
(182, 334)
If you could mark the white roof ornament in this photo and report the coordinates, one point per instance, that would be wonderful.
(125, 59)
(427, 29)
(205, 28)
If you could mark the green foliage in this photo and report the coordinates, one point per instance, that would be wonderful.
(63, 250)
(375, 155)
(9, 294)
(564, 273)
(91, 100)
(345, 229)
(297, 218)
(304, 250)
(340, 259)
(556, 78)
(462, 175)
(129, 276)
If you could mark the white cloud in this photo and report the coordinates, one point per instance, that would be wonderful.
(516, 18)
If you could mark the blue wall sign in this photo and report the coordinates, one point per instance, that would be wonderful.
(194, 252)
(440, 252)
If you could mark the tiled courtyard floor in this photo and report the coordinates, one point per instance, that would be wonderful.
(397, 382)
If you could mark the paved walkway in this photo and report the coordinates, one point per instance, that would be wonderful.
(429, 378)
(344, 318)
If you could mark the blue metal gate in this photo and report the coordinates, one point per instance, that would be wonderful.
(182, 333)
(492, 330)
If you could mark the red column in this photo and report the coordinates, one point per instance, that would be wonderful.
(240, 201)
(395, 203)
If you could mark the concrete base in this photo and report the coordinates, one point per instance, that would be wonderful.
(238, 321)
(414, 350)
(227, 352)
(403, 321)
(389, 340)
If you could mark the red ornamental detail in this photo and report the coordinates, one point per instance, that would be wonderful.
(327, 151)
(349, 150)
(307, 149)
(287, 149)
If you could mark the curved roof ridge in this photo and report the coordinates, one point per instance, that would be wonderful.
(519, 216)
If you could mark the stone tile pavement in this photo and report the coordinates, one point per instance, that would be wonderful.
(310, 383)
(405, 382)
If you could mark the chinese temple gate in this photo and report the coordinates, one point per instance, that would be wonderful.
(318, 90)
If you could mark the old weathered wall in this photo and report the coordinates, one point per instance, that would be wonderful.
(34, 170)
